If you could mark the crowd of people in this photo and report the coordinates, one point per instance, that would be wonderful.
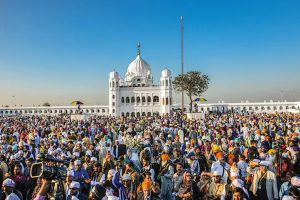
(219, 156)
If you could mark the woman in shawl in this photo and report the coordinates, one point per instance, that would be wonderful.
(188, 189)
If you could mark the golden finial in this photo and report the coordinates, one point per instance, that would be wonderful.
(139, 48)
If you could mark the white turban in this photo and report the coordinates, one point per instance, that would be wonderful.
(295, 181)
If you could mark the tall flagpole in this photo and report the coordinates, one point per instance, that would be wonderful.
(182, 93)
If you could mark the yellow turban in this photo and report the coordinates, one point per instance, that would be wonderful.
(216, 148)
(272, 151)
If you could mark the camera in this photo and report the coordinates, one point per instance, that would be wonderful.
(48, 171)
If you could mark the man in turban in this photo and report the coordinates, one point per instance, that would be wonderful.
(166, 176)
(221, 166)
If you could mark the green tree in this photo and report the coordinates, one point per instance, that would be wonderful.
(193, 83)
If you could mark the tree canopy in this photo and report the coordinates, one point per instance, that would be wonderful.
(193, 83)
(46, 104)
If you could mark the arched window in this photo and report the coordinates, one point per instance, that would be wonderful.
(268, 108)
(149, 114)
(166, 82)
(138, 99)
(280, 108)
(122, 100)
(113, 111)
(132, 114)
(127, 114)
(167, 101)
(163, 101)
(113, 96)
(123, 114)
(117, 84)
(103, 110)
(143, 99)
(148, 99)
(127, 100)
(132, 99)
(274, 108)
(155, 99)
(262, 108)
(113, 84)
(138, 114)
(256, 108)
(143, 114)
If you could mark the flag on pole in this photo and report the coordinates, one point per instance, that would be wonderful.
(201, 99)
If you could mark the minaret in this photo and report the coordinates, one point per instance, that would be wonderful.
(114, 101)
(166, 91)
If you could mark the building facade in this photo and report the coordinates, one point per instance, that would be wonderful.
(136, 94)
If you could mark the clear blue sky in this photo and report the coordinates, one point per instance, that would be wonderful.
(61, 50)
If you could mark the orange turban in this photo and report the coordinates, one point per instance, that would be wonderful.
(165, 157)
(219, 154)
(146, 185)
(257, 131)
(231, 156)
(295, 134)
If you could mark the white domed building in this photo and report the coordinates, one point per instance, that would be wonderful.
(136, 94)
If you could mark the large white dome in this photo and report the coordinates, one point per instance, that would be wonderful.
(138, 67)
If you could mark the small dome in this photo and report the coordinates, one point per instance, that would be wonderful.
(166, 72)
(113, 74)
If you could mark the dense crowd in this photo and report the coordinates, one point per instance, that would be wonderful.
(220, 156)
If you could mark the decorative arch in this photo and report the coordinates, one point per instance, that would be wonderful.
(132, 99)
(155, 99)
(127, 100)
(148, 99)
